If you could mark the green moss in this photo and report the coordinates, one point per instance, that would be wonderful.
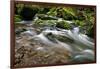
(17, 18)
(63, 25)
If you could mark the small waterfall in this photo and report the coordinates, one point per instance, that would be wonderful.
(80, 39)
(82, 42)
(79, 47)
(43, 38)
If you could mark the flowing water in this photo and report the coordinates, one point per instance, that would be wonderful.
(80, 46)
(80, 42)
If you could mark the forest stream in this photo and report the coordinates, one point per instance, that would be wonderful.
(52, 38)
(52, 45)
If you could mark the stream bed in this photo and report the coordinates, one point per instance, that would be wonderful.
(40, 45)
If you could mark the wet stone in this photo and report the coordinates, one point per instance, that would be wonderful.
(29, 52)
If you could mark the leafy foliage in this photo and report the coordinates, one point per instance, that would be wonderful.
(83, 17)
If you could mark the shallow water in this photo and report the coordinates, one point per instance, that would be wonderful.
(78, 46)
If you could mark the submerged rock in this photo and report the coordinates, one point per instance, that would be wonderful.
(51, 45)
(33, 52)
